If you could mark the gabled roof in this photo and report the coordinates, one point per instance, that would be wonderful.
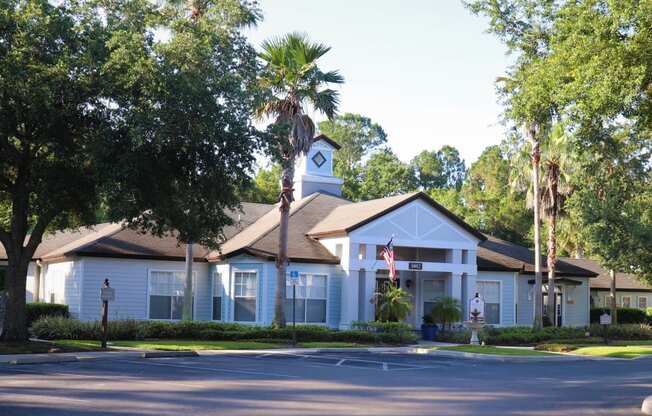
(113, 240)
(346, 218)
(624, 281)
(261, 238)
(495, 254)
(328, 140)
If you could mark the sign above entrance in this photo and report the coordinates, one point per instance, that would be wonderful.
(415, 266)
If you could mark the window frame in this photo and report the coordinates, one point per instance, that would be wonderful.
(500, 298)
(638, 302)
(214, 277)
(258, 287)
(288, 296)
(194, 288)
(629, 301)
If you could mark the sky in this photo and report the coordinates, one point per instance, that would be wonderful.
(422, 69)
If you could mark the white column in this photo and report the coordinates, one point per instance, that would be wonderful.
(349, 299)
(456, 286)
(470, 289)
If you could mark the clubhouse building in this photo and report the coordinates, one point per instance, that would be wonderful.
(335, 247)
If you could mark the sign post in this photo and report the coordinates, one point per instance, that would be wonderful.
(294, 279)
(605, 321)
(107, 294)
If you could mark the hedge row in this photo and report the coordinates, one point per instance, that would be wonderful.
(625, 315)
(62, 328)
(528, 336)
(36, 310)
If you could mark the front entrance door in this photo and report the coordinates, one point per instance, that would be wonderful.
(431, 290)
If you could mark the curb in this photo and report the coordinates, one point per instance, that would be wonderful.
(48, 359)
(168, 354)
(497, 358)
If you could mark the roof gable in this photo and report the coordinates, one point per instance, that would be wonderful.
(347, 218)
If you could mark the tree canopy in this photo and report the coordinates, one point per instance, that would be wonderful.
(94, 107)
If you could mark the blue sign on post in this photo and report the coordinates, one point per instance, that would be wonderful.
(294, 277)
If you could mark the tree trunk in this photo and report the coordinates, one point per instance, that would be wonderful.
(552, 264)
(187, 290)
(14, 327)
(287, 197)
(612, 298)
(536, 157)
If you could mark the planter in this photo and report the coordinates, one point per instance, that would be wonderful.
(428, 332)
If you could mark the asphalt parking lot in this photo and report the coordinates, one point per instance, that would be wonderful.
(324, 384)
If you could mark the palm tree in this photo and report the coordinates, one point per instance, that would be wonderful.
(394, 303)
(557, 167)
(293, 80)
(554, 165)
(532, 130)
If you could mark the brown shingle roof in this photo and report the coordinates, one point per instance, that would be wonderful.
(261, 238)
(624, 281)
(347, 218)
(496, 254)
(112, 240)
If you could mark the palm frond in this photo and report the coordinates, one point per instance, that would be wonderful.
(327, 101)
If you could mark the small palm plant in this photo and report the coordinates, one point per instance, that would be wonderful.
(446, 310)
(394, 304)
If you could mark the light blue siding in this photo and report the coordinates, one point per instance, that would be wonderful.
(506, 280)
(324, 170)
(129, 278)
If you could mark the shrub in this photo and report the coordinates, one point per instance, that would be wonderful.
(377, 326)
(648, 312)
(623, 332)
(63, 328)
(520, 335)
(625, 315)
(556, 347)
(459, 337)
(446, 310)
(36, 310)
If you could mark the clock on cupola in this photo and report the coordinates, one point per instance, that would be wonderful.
(314, 171)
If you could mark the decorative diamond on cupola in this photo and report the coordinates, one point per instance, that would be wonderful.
(319, 159)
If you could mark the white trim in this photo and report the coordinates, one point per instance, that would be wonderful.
(232, 290)
(500, 300)
(213, 276)
(194, 288)
(622, 301)
(638, 305)
(327, 276)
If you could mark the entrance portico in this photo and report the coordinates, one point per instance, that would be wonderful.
(434, 257)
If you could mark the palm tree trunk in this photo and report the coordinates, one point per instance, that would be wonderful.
(282, 259)
(553, 189)
(187, 290)
(612, 298)
(552, 264)
(537, 322)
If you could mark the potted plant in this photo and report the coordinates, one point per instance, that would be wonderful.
(428, 328)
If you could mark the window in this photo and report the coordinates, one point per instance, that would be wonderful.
(490, 293)
(246, 292)
(432, 290)
(362, 251)
(626, 302)
(310, 305)
(217, 296)
(166, 294)
(3, 277)
(319, 159)
(401, 253)
(642, 302)
(465, 256)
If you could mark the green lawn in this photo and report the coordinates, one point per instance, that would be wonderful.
(331, 345)
(486, 349)
(616, 351)
(182, 345)
(43, 347)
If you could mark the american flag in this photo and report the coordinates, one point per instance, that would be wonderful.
(388, 255)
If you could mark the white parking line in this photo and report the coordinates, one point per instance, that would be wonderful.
(385, 368)
(216, 370)
(339, 363)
